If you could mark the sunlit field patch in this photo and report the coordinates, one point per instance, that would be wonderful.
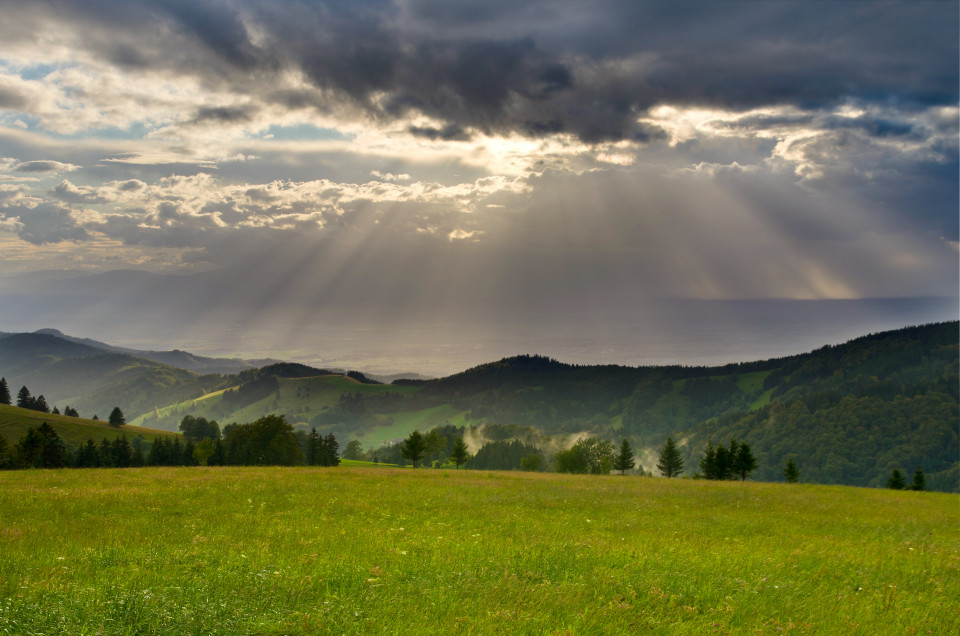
(379, 550)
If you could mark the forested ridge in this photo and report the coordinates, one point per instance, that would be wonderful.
(849, 413)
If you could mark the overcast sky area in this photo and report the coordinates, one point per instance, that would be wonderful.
(199, 173)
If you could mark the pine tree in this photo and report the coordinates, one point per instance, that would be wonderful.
(896, 481)
(87, 455)
(919, 481)
(54, 454)
(460, 454)
(4, 392)
(4, 453)
(122, 451)
(670, 464)
(314, 454)
(137, 459)
(624, 461)
(790, 472)
(105, 453)
(744, 463)
(29, 450)
(332, 450)
(188, 450)
(40, 404)
(24, 399)
(219, 456)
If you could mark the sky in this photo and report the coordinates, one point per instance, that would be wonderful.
(420, 174)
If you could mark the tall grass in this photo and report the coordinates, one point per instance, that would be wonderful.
(375, 550)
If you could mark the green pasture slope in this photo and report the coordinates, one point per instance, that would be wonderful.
(300, 399)
(385, 551)
(74, 431)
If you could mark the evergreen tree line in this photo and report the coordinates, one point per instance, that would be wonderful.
(268, 441)
(26, 400)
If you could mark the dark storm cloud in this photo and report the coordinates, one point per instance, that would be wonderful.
(450, 132)
(43, 166)
(589, 69)
(224, 114)
(47, 223)
(11, 99)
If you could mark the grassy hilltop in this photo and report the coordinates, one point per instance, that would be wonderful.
(14, 422)
(373, 550)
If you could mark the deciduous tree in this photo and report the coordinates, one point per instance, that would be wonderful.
(532, 462)
(353, 450)
(116, 417)
(413, 447)
(589, 455)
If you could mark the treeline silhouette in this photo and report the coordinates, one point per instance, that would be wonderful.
(270, 441)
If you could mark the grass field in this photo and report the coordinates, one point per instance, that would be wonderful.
(385, 551)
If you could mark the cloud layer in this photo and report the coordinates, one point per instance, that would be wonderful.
(497, 156)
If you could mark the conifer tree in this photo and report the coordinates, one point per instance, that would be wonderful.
(188, 451)
(105, 453)
(40, 404)
(137, 459)
(332, 450)
(744, 463)
(24, 399)
(4, 453)
(896, 481)
(670, 464)
(87, 456)
(919, 481)
(219, 455)
(790, 472)
(4, 392)
(460, 454)
(624, 461)
(29, 450)
(54, 454)
(315, 450)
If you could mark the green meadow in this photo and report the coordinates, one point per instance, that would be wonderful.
(364, 550)
(15, 421)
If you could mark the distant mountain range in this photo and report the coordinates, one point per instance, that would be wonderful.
(848, 414)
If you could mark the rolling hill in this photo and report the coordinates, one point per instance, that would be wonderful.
(15, 421)
(848, 413)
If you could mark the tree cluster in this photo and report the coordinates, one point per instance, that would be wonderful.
(588, 455)
(897, 482)
(268, 441)
(199, 428)
(321, 450)
(504, 455)
(733, 462)
(26, 401)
